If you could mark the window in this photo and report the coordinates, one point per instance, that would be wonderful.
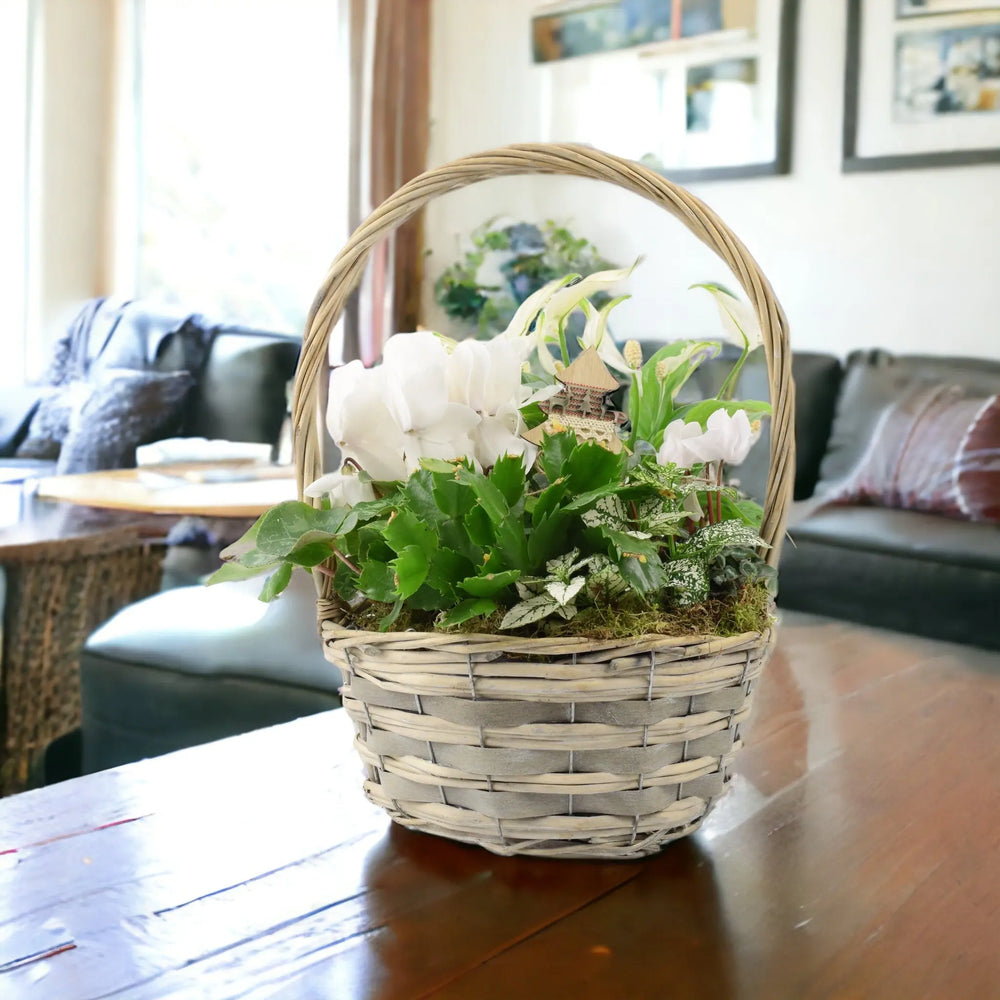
(241, 142)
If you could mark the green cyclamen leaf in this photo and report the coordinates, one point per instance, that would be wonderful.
(276, 582)
(231, 571)
(377, 581)
(282, 526)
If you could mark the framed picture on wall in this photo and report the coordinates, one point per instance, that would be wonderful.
(921, 8)
(921, 90)
(702, 90)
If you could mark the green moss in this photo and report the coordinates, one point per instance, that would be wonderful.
(748, 610)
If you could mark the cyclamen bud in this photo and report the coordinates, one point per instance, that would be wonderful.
(633, 354)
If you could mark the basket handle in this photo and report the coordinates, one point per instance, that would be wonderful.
(576, 161)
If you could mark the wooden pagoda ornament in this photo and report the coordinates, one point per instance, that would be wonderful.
(582, 405)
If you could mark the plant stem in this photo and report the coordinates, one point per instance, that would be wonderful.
(562, 344)
(730, 384)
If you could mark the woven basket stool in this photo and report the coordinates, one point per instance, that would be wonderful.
(563, 747)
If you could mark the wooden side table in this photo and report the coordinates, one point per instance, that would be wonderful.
(58, 592)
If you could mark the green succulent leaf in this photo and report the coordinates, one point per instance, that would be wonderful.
(410, 568)
(489, 584)
(472, 607)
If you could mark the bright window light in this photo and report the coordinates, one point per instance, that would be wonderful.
(242, 145)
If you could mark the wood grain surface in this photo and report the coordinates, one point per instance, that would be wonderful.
(858, 855)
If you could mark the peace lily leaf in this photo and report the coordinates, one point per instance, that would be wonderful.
(631, 544)
(490, 584)
(738, 317)
(410, 568)
(276, 582)
(645, 576)
(698, 413)
(473, 607)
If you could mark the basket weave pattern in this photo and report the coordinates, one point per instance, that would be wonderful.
(79, 583)
(565, 747)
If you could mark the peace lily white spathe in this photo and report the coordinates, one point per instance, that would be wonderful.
(551, 306)
(725, 438)
(739, 321)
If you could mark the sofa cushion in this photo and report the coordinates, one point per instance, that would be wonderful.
(874, 382)
(197, 664)
(911, 534)
(17, 407)
(50, 422)
(241, 390)
(903, 570)
(123, 409)
(934, 449)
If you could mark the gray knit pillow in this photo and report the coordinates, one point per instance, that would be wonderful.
(125, 409)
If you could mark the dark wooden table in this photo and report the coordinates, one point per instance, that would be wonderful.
(857, 855)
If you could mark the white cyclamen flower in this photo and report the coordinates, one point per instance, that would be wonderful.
(726, 438)
(485, 376)
(674, 448)
(344, 489)
(389, 417)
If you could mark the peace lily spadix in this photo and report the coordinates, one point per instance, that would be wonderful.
(444, 510)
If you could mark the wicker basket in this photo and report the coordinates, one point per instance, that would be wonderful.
(555, 747)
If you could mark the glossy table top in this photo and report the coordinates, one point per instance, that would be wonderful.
(857, 855)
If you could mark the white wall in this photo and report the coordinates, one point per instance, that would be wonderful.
(905, 260)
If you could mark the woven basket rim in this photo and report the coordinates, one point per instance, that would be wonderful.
(336, 631)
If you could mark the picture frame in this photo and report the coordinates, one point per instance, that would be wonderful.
(715, 103)
(921, 90)
(930, 8)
